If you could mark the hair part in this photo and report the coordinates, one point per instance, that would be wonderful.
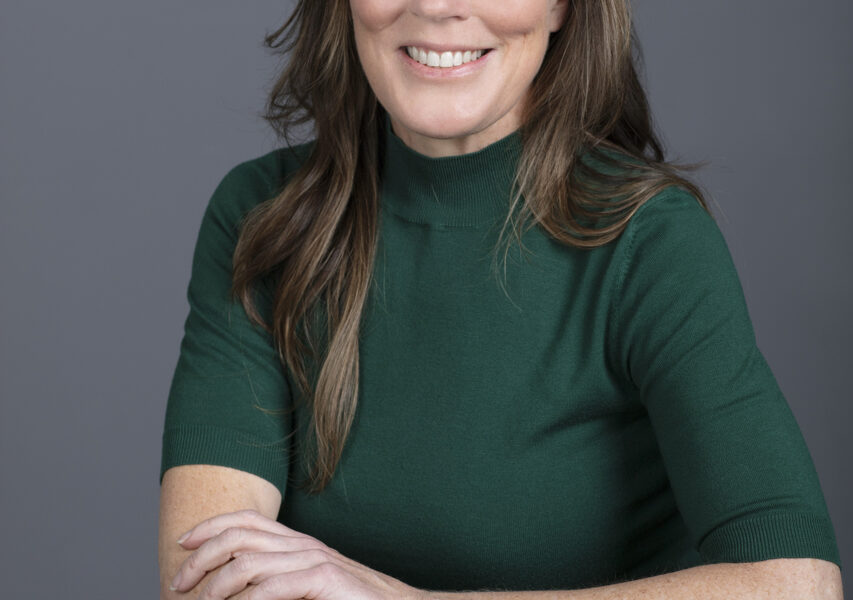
(318, 234)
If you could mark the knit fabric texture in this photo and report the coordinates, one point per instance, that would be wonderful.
(582, 417)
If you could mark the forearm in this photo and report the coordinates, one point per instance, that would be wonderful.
(784, 579)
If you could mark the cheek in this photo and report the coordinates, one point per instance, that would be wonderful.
(375, 15)
(373, 20)
(515, 18)
(523, 26)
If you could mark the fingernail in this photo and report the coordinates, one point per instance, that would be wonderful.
(184, 537)
(175, 582)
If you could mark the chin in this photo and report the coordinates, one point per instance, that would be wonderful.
(442, 127)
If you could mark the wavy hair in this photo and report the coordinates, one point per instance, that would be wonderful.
(589, 160)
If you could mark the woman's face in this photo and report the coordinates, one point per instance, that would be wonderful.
(459, 101)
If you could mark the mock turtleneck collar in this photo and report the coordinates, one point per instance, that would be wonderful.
(456, 191)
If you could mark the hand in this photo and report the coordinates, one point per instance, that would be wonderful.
(273, 562)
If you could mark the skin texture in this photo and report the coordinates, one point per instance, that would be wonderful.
(454, 115)
(192, 493)
(778, 579)
(278, 561)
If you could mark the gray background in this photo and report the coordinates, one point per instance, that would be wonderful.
(117, 120)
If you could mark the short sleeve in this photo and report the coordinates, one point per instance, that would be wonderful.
(739, 467)
(229, 398)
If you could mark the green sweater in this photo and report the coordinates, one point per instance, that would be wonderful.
(607, 416)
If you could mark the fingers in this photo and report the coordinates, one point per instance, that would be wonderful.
(235, 542)
(259, 568)
(308, 583)
(250, 519)
(313, 582)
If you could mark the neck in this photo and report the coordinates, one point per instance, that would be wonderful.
(438, 147)
(464, 190)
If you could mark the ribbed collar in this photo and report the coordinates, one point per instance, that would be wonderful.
(456, 191)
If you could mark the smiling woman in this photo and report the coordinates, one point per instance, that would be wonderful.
(439, 108)
(366, 407)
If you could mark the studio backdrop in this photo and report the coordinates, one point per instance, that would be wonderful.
(117, 120)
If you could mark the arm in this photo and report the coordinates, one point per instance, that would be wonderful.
(191, 493)
(295, 569)
(226, 415)
(738, 465)
(779, 579)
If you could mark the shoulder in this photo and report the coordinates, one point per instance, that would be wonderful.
(602, 168)
(254, 181)
(673, 220)
(672, 244)
(267, 173)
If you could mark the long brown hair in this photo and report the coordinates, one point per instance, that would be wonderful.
(590, 159)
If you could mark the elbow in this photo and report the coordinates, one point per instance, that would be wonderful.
(802, 578)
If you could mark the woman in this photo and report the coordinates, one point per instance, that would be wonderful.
(401, 400)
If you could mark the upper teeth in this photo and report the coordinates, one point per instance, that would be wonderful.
(443, 60)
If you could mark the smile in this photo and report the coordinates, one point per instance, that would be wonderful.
(443, 60)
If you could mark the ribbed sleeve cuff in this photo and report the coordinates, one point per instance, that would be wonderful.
(209, 445)
(765, 537)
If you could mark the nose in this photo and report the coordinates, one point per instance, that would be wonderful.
(441, 9)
